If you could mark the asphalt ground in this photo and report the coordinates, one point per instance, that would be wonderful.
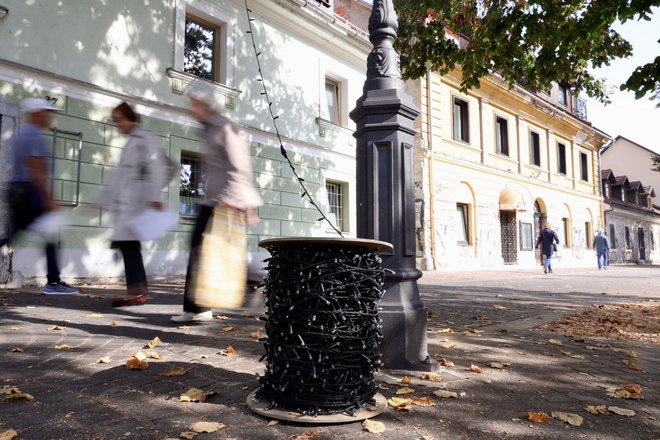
(474, 318)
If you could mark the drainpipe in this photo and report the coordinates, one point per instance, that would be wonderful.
(429, 149)
(602, 189)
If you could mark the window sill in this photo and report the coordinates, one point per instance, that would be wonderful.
(462, 144)
(464, 244)
(326, 127)
(181, 81)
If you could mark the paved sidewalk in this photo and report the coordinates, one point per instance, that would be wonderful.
(75, 397)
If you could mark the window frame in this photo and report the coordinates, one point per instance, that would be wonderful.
(526, 236)
(584, 166)
(338, 101)
(534, 148)
(216, 56)
(561, 159)
(502, 135)
(563, 93)
(464, 119)
(189, 155)
(566, 225)
(341, 218)
(466, 224)
(612, 236)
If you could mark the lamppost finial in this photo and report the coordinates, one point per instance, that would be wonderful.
(383, 65)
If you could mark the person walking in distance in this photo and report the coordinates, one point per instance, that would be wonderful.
(135, 186)
(229, 184)
(602, 246)
(29, 195)
(548, 240)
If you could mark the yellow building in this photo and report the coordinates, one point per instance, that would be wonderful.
(494, 165)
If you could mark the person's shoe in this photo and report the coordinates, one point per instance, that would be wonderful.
(60, 288)
(190, 317)
(545, 271)
(130, 301)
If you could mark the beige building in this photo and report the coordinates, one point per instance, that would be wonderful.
(494, 165)
(631, 159)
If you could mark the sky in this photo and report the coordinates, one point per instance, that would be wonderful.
(637, 120)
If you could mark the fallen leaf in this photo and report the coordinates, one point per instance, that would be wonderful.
(596, 409)
(183, 327)
(207, 426)
(55, 327)
(632, 391)
(153, 355)
(570, 418)
(634, 366)
(140, 356)
(255, 335)
(94, 315)
(631, 354)
(447, 344)
(193, 395)
(446, 363)
(499, 307)
(405, 390)
(422, 401)
(94, 296)
(310, 434)
(229, 351)
(133, 363)
(433, 377)
(373, 427)
(104, 360)
(399, 403)
(174, 371)
(153, 343)
(446, 330)
(17, 350)
(273, 423)
(538, 417)
(445, 394)
(406, 380)
(621, 411)
(188, 434)
(62, 347)
(114, 323)
(496, 365)
(17, 394)
(228, 329)
(9, 389)
(555, 342)
(476, 369)
(222, 318)
(9, 434)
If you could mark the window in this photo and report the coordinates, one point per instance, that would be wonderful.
(502, 136)
(561, 158)
(584, 170)
(567, 227)
(201, 49)
(627, 235)
(336, 203)
(330, 108)
(526, 237)
(191, 186)
(612, 237)
(461, 120)
(587, 235)
(563, 94)
(535, 148)
(463, 223)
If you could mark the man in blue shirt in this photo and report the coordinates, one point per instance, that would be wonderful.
(29, 195)
(602, 246)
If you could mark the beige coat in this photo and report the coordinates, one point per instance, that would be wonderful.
(137, 181)
(227, 167)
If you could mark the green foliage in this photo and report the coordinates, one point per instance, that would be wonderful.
(530, 42)
(656, 163)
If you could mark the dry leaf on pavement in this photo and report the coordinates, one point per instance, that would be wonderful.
(62, 347)
(153, 343)
(634, 366)
(498, 365)
(406, 380)
(228, 329)
(194, 395)
(570, 418)
(175, 371)
(447, 344)
(207, 426)
(596, 409)
(555, 342)
(631, 354)
(9, 434)
(273, 423)
(433, 377)
(16, 394)
(538, 417)
(309, 435)
(104, 360)
(499, 307)
(373, 427)
(153, 355)
(422, 401)
(188, 434)
(94, 315)
(632, 391)
(255, 335)
(446, 330)
(399, 403)
(140, 356)
(621, 411)
(133, 363)
(476, 369)
(17, 350)
(114, 323)
(445, 394)
(404, 390)
(446, 363)
(229, 351)
(183, 327)
(55, 327)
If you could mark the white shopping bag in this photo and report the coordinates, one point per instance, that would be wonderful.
(152, 224)
(48, 225)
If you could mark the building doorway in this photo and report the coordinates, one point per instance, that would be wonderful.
(540, 219)
(509, 237)
(642, 244)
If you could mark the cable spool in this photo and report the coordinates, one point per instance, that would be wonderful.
(323, 327)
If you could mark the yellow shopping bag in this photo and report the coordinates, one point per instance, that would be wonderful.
(220, 278)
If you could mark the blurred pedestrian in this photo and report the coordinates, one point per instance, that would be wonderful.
(602, 246)
(228, 188)
(29, 196)
(135, 186)
(548, 241)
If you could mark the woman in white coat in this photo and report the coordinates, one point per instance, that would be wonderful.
(135, 186)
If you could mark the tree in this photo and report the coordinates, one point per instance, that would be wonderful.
(656, 163)
(528, 42)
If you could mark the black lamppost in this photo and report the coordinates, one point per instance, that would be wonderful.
(384, 116)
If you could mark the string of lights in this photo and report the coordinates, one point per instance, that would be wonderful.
(274, 117)
(323, 328)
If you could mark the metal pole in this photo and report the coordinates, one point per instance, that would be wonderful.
(384, 117)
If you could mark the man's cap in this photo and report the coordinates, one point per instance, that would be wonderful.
(32, 105)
